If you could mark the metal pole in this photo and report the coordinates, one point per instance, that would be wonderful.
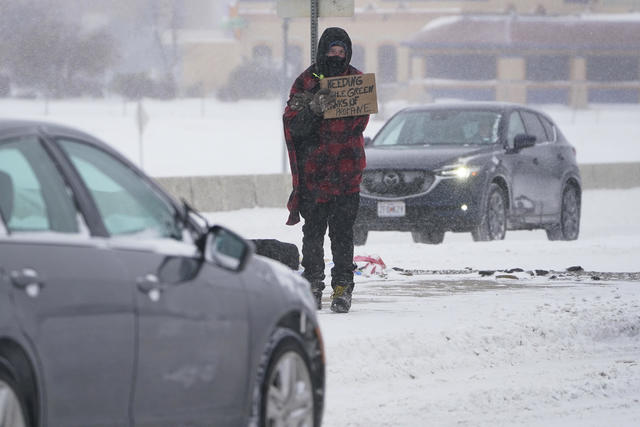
(284, 85)
(314, 29)
(141, 151)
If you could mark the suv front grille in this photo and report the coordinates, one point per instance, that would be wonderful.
(395, 183)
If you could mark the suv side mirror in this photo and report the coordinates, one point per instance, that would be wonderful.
(227, 249)
(523, 140)
(367, 141)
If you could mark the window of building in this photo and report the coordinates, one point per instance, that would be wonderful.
(612, 68)
(613, 96)
(461, 67)
(542, 68)
(465, 94)
(548, 95)
(387, 64)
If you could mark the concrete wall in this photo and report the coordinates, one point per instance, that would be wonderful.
(612, 176)
(223, 193)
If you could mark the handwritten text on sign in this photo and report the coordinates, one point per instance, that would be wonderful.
(355, 95)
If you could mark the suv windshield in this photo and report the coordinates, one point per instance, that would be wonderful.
(459, 127)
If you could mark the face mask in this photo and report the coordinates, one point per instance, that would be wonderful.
(335, 65)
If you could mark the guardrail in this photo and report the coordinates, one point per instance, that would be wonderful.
(223, 193)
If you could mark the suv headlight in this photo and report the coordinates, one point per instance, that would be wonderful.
(458, 171)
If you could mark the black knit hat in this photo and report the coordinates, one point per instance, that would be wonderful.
(338, 43)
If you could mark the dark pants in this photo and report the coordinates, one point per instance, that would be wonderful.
(339, 215)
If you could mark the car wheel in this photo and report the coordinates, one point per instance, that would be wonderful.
(12, 412)
(493, 223)
(284, 394)
(360, 236)
(569, 226)
(432, 237)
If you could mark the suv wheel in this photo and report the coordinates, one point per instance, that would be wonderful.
(569, 226)
(493, 223)
(432, 237)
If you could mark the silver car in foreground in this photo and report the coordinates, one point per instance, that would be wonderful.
(120, 306)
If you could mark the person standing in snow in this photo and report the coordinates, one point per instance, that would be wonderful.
(327, 159)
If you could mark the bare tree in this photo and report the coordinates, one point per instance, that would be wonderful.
(52, 56)
(165, 21)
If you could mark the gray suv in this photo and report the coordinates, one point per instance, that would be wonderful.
(483, 168)
(120, 306)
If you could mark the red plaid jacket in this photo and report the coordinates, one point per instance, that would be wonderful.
(326, 155)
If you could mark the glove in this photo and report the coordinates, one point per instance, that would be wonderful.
(322, 100)
(300, 100)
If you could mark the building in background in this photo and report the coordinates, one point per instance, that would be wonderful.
(571, 60)
(570, 52)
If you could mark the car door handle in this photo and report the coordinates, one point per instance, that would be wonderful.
(535, 161)
(150, 286)
(28, 280)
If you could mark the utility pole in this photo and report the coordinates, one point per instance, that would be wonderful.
(314, 29)
(284, 84)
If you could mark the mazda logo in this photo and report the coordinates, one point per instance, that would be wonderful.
(391, 179)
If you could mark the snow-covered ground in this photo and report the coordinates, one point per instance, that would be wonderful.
(443, 351)
(207, 137)
(456, 348)
(424, 346)
(609, 240)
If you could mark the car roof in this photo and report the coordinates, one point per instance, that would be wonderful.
(496, 106)
(19, 125)
(467, 105)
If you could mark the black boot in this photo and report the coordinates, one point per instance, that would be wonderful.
(316, 290)
(341, 298)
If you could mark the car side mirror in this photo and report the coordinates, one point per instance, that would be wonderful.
(367, 141)
(523, 140)
(227, 249)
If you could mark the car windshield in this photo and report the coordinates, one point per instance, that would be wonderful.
(459, 127)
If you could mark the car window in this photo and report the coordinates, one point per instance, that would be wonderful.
(534, 126)
(33, 194)
(391, 132)
(455, 126)
(127, 204)
(515, 127)
(549, 128)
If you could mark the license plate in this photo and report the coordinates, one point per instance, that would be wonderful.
(391, 209)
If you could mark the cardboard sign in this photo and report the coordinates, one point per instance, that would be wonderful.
(355, 95)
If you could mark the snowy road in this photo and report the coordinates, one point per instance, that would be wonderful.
(457, 348)
(431, 350)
